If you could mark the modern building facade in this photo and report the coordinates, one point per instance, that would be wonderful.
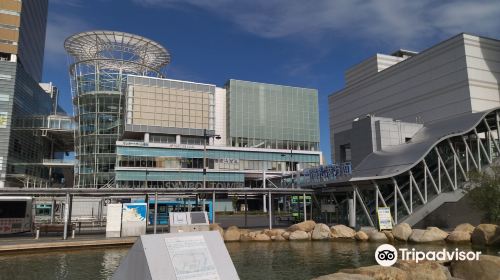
(413, 126)
(24, 105)
(137, 128)
(168, 121)
(22, 33)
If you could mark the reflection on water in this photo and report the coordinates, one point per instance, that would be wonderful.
(253, 260)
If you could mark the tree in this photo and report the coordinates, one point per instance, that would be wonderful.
(484, 191)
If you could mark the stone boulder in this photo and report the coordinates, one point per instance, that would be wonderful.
(423, 270)
(431, 234)
(216, 227)
(377, 236)
(262, 237)
(306, 226)
(344, 276)
(299, 235)
(361, 236)
(486, 234)
(464, 227)
(321, 232)
(459, 237)
(274, 232)
(402, 231)
(389, 236)
(286, 235)
(487, 268)
(378, 272)
(232, 234)
(341, 231)
(278, 238)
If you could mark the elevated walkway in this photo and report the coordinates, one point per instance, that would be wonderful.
(416, 178)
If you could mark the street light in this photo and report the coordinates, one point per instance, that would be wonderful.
(205, 138)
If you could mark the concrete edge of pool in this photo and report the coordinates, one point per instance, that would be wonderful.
(69, 244)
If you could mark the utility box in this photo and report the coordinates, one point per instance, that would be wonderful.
(188, 221)
(178, 256)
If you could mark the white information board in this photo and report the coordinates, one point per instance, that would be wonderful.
(384, 218)
(114, 220)
(191, 259)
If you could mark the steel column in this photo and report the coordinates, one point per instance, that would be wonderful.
(156, 213)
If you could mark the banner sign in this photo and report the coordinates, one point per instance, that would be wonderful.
(384, 218)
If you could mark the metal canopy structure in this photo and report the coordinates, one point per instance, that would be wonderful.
(118, 50)
(99, 64)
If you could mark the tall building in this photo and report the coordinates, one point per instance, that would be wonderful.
(101, 62)
(414, 126)
(25, 106)
(137, 128)
(22, 33)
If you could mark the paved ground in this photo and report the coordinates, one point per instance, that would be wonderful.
(95, 237)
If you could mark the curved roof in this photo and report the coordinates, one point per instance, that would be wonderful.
(395, 160)
(117, 50)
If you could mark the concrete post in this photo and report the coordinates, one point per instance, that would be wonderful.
(53, 211)
(66, 215)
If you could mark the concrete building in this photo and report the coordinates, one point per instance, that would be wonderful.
(137, 128)
(459, 75)
(413, 126)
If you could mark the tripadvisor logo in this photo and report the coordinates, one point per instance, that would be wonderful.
(387, 255)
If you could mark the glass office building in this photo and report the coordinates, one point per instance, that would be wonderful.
(272, 116)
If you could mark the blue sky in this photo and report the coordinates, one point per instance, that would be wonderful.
(290, 42)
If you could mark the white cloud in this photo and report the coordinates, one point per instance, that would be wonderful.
(59, 27)
(394, 21)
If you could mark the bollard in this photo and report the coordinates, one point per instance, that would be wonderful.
(37, 234)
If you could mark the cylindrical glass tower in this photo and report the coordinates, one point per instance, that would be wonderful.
(99, 64)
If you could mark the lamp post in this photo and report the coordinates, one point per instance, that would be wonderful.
(205, 138)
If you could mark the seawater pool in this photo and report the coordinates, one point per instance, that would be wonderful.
(253, 260)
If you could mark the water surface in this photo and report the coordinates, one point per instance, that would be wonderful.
(253, 260)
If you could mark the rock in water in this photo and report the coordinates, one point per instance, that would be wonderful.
(361, 236)
(262, 237)
(486, 234)
(216, 227)
(487, 268)
(378, 272)
(341, 231)
(377, 236)
(431, 234)
(424, 270)
(306, 226)
(344, 276)
(459, 237)
(464, 227)
(321, 232)
(232, 234)
(299, 235)
(402, 231)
